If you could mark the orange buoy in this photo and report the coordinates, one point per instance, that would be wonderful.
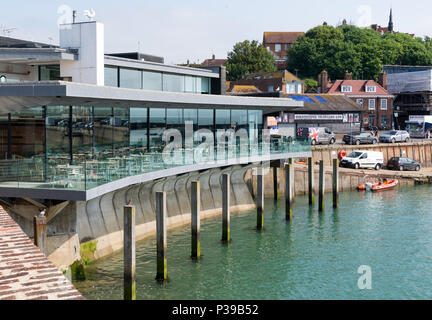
(342, 154)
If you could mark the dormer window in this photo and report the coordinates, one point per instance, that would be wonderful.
(370, 88)
(346, 88)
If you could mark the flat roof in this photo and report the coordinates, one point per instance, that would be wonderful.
(18, 96)
(34, 56)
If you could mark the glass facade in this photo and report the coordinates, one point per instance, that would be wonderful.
(49, 72)
(156, 81)
(82, 147)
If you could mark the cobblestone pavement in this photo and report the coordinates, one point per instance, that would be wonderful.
(25, 272)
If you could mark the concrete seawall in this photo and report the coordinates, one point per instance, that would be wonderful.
(419, 151)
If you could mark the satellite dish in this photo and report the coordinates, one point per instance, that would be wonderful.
(90, 14)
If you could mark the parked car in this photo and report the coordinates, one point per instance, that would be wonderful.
(402, 164)
(360, 138)
(317, 135)
(395, 136)
(363, 159)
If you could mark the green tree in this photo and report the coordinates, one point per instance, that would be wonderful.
(249, 57)
(361, 51)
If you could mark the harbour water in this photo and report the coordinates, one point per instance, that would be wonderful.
(315, 256)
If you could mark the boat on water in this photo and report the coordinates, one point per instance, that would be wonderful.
(379, 186)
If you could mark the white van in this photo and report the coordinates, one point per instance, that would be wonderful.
(363, 159)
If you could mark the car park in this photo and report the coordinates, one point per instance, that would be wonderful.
(395, 136)
(363, 159)
(402, 164)
(360, 138)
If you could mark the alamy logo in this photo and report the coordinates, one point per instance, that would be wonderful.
(365, 280)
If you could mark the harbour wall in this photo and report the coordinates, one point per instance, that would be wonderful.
(419, 151)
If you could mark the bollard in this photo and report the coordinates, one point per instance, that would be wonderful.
(321, 186)
(196, 208)
(311, 181)
(260, 198)
(161, 244)
(40, 232)
(288, 191)
(226, 190)
(335, 183)
(129, 253)
(275, 183)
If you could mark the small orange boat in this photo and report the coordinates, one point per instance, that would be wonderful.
(390, 184)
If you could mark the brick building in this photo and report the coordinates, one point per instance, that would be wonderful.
(376, 101)
(279, 44)
(283, 81)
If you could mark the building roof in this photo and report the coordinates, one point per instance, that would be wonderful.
(358, 88)
(284, 75)
(241, 89)
(6, 42)
(214, 62)
(325, 102)
(281, 37)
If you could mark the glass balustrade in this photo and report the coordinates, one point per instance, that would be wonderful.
(56, 172)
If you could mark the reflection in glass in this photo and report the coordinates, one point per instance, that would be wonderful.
(121, 131)
(103, 132)
(82, 134)
(4, 134)
(157, 126)
(173, 82)
(111, 76)
(152, 80)
(130, 78)
(138, 130)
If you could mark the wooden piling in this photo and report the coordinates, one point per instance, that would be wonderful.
(260, 198)
(161, 244)
(129, 253)
(335, 183)
(311, 181)
(196, 208)
(40, 232)
(321, 186)
(226, 192)
(288, 191)
(275, 183)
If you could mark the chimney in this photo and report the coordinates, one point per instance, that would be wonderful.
(74, 15)
(382, 79)
(213, 57)
(348, 76)
(322, 82)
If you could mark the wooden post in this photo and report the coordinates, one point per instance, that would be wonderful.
(321, 186)
(311, 181)
(161, 244)
(260, 198)
(129, 253)
(275, 183)
(226, 192)
(335, 183)
(40, 232)
(196, 208)
(288, 191)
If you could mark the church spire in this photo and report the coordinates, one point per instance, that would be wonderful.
(390, 25)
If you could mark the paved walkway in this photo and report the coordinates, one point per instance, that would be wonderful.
(25, 272)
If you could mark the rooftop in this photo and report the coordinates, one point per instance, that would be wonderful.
(281, 37)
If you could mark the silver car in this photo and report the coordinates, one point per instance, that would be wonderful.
(395, 136)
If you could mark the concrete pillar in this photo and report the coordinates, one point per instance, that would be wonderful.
(289, 177)
(129, 253)
(196, 208)
(311, 181)
(260, 198)
(275, 183)
(335, 183)
(161, 243)
(321, 186)
(40, 232)
(226, 192)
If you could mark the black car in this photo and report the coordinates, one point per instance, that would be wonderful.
(398, 163)
(360, 138)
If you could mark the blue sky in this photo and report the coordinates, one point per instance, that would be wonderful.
(194, 30)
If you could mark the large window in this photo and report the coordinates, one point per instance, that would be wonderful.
(152, 80)
(121, 131)
(130, 78)
(103, 132)
(82, 134)
(111, 76)
(173, 82)
(190, 84)
(138, 129)
(49, 72)
(157, 126)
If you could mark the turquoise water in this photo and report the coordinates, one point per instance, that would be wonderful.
(316, 256)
